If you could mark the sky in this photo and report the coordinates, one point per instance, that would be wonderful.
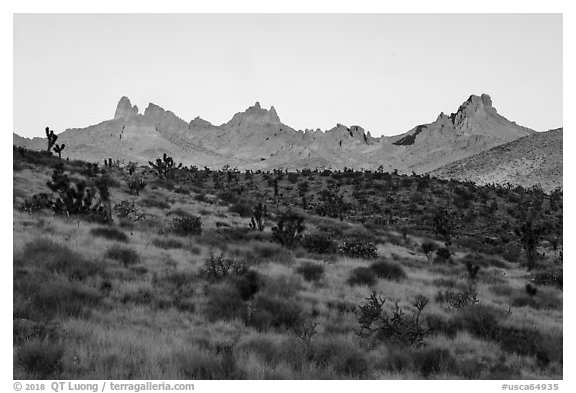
(384, 72)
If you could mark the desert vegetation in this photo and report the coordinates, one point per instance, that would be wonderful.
(173, 272)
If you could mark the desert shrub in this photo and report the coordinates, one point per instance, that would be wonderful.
(362, 276)
(550, 277)
(319, 243)
(110, 234)
(218, 267)
(458, 299)
(186, 226)
(135, 184)
(127, 210)
(311, 271)
(167, 243)
(36, 203)
(356, 248)
(288, 230)
(443, 255)
(346, 359)
(273, 311)
(40, 359)
(512, 253)
(154, 201)
(428, 247)
(208, 365)
(224, 301)
(394, 328)
(248, 284)
(57, 258)
(126, 256)
(229, 197)
(480, 320)
(388, 270)
(429, 361)
(244, 209)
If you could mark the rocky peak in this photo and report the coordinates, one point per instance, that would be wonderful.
(473, 109)
(125, 110)
(198, 122)
(256, 114)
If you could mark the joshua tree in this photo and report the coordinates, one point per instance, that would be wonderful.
(444, 226)
(258, 219)
(165, 166)
(529, 237)
(51, 138)
(289, 229)
(58, 149)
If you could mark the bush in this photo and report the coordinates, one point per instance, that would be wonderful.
(248, 284)
(126, 256)
(311, 271)
(443, 255)
(288, 230)
(273, 311)
(355, 248)
(388, 270)
(110, 234)
(218, 267)
(319, 243)
(362, 276)
(225, 302)
(186, 226)
(40, 359)
(395, 328)
(551, 277)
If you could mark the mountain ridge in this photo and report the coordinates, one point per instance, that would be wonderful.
(256, 138)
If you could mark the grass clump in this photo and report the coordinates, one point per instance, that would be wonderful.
(57, 258)
(40, 359)
(311, 271)
(362, 276)
(167, 243)
(110, 234)
(126, 256)
(388, 270)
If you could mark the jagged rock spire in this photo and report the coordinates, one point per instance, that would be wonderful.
(125, 110)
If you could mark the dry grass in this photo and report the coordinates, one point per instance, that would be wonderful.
(147, 314)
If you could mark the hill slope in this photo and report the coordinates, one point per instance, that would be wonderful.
(534, 159)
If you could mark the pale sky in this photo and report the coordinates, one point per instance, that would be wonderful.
(384, 72)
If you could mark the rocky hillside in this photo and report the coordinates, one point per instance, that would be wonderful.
(534, 159)
(257, 139)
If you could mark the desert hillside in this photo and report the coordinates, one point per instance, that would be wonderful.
(529, 161)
